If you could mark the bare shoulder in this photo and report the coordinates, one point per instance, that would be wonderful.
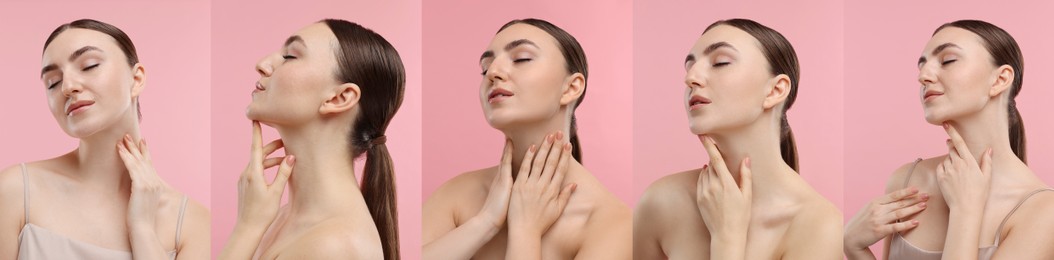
(815, 232)
(335, 239)
(468, 183)
(11, 196)
(669, 197)
(911, 170)
(1037, 209)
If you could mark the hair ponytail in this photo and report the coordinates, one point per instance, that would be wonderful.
(788, 148)
(1004, 51)
(368, 60)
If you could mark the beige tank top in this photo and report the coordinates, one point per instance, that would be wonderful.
(900, 248)
(35, 242)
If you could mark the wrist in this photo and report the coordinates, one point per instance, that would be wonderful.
(524, 232)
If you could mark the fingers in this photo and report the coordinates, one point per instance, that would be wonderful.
(953, 154)
(505, 168)
(555, 158)
(957, 140)
(902, 226)
(539, 159)
(271, 147)
(565, 195)
(561, 167)
(904, 212)
(255, 153)
(898, 195)
(272, 162)
(745, 175)
(284, 171)
(525, 165)
(717, 162)
(132, 146)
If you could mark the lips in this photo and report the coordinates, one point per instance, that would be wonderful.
(498, 94)
(931, 94)
(78, 106)
(697, 102)
(259, 87)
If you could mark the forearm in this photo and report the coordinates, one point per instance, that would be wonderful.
(728, 247)
(859, 254)
(461, 242)
(524, 245)
(145, 244)
(242, 243)
(964, 233)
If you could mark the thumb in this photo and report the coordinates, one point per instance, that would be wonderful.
(986, 162)
(745, 177)
(284, 171)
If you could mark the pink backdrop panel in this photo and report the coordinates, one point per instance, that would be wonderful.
(885, 127)
(455, 34)
(664, 33)
(245, 31)
(172, 40)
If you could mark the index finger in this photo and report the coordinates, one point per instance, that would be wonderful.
(899, 195)
(716, 160)
(957, 140)
(257, 143)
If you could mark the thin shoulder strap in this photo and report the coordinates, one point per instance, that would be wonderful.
(1019, 203)
(179, 223)
(25, 191)
(910, 171)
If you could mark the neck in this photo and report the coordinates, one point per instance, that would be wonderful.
(523, 136)
(760, 141)
(96, 160)
(989, 129)
(323, 178)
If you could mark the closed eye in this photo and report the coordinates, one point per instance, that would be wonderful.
(90, 67)
(948, 62)
(53, 85)
(288, 57)
(721, 64)
(521, 60)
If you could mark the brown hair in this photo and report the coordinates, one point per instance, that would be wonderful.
(122, 40)
(576, 63)
(1004, 51)
(782, 60)
(368, 60)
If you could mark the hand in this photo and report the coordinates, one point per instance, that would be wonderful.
(878, 219)
(496, 207)
(537, 200)
(724, 205)
(147, 187)
(258, 202)
(963, 182)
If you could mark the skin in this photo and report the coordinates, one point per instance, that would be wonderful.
(326, 216)
(488, 213)
(106, 191)
(746, 203)
(977, 184)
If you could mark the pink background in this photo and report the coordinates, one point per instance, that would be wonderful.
(885, 127)
(245, 31)
(664, 33)
(172, 40)
(455, 34)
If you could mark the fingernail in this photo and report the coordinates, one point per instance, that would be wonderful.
(922, 205)
(914, 222)
(945, 125)
(925, 196)
(533, 148)
(567, 147)
(559, 135)
(290, 159)
(748, 161)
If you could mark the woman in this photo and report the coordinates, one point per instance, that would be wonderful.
(104, 199)
(965, 204)
(534, 76)
(749, 202)
(330, 92)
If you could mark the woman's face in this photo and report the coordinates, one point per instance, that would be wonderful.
(88, 82)
(295, 80)
(956, 73)
(524, 77)
(728, 80)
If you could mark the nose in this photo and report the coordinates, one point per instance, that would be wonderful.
(265, 66)
(498, 70)
(927, 75)
(70, 87)
(694, 78)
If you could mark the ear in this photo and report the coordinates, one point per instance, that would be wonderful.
(1003, 80)
(576, 84)
(138, 80)
(345, 98)
(778, 92)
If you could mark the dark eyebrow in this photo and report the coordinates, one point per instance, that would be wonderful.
(72, 57)
(508, 47)
(292, 39)
(690, 58)
(715, 46)
(922, 59)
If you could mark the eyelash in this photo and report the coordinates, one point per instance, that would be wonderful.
(721, 64)
(948, 62)
(484, 73)
(288, 57)
(90, 67)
